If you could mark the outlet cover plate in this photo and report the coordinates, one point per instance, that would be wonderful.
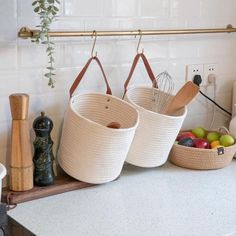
(209, 68)
(195, 69)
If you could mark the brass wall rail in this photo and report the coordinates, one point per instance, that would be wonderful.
(29, 33)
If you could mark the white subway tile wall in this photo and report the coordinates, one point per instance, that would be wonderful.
(22, 63)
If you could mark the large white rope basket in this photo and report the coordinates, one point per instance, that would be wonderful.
(89, 150)
(156, 132)
(3, 173)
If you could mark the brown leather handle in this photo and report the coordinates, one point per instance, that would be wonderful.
(82, 72)
(148, 69)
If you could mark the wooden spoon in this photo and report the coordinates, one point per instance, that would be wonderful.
(182, 98)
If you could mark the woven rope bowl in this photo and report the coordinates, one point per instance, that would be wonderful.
(201, 159)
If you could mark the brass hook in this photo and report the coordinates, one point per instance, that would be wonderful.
(94, 42)
(140, 33)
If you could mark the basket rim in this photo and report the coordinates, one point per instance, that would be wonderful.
(3, 171)
(99, 125)
(152, 112)
(202, 149)
(208, 131)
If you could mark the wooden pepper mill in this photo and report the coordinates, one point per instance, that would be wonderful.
(21, 164)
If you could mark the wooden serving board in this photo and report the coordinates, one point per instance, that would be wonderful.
(62, 184)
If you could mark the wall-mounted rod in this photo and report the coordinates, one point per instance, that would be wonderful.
(28, 33)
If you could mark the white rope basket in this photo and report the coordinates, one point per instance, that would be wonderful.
(3, 173)
(156, 132)
(89, 151)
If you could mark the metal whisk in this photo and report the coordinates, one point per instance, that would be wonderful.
(162, 95)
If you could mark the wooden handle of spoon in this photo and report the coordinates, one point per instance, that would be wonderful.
(184, 96)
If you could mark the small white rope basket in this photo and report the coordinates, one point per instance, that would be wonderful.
(156, 133)
(89, 150)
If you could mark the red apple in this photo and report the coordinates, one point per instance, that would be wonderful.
(201, 143)
(185, 135)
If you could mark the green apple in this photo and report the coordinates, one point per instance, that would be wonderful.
(213, 136)
(227, 140)
(199, 132)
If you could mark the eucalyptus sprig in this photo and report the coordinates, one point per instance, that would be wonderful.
(47, 10)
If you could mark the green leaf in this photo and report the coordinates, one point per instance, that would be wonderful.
(36, 9)
(34, 3)
(51, 83)
(48, 75)
(55, 8)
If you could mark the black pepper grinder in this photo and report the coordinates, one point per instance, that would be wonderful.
(43, 155)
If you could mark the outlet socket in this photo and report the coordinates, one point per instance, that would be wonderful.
(194, 69)
(209, 69)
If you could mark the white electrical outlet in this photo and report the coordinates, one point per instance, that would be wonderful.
(210, 69)
(194, 69)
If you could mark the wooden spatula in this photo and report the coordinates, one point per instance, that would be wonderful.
(182, 98)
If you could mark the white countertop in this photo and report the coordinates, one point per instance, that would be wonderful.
(168, 200)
